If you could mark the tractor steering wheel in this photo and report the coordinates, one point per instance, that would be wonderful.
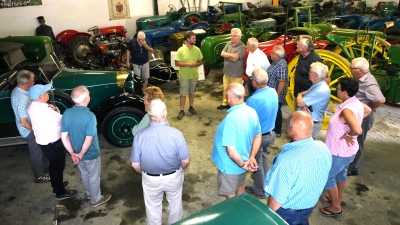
(364, 37)
(92, 29)
(172, 8)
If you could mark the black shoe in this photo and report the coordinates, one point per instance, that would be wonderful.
(180, 115)
(221, 107)
(352, 173)
(65, 185)
(250, 190)
(67, 195)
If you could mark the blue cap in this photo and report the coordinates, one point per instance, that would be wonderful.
(37, 90)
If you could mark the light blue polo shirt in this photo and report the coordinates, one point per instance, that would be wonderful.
(20, 102)
(265, 102)
(237, 129)
(318, 97)
(299, 173)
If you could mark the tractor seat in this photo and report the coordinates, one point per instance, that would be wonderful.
(224, 28)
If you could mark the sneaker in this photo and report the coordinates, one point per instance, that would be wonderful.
(88, 197)
(250, 190)
(221, 107)
(65, 185)
(192, 111)
(180, 115)
(42, 179)
(67, 195)
(103, 200)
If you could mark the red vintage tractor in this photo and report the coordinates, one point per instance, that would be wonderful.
(79, 45)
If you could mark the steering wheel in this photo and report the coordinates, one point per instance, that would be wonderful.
(92, 29)
(365, 32)
(172, 8)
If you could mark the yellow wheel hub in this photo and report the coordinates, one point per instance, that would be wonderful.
(338, 67)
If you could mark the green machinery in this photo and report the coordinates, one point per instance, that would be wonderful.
(35, 48)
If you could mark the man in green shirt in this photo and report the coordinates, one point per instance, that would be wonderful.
(188, 58)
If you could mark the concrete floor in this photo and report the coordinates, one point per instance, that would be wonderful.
(373, 197)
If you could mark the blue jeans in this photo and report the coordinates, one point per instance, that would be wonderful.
(295, 217)
(338, 172)
(262, 163)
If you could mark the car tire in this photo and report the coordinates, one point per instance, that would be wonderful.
(79, 48)
(60, 99)
(118, 124)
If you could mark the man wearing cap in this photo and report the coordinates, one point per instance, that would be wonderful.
(46, 124)
(43, 29)
(20, 102)
(79, 137)
(160, 154)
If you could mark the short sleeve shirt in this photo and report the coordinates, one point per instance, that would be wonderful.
(301, 78)
(317, 99)
(20, 102)
(234, 69)
(187, 55)
(255, 60)
(369, 90)
(80, 122)
(139, 54)
(276, 72)
(159, 148)
(238, 129)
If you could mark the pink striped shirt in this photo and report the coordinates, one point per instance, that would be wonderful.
(337, 129)
(46, 123)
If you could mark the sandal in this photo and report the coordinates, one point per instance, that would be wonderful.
(325, 199)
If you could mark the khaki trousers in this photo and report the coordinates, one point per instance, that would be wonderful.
(226, 81)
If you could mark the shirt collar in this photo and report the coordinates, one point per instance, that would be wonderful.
(365, 77)
(236, 107)
(348, 101)
(80, 107)
(22, 90)
(157, 124)
(295, 144)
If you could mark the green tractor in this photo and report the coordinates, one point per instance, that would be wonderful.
(36, 48)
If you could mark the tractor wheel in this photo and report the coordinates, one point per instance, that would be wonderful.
(363, 50)
(80, 48)
(60, 99)
(166, 53)
(338, 67)
(118, 124)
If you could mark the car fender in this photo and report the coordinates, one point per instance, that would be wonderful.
(64, 35)
(119, 101)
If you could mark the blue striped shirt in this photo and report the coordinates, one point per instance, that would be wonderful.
(20, 102)
(317, 97)
(278, 71)
(299, 173)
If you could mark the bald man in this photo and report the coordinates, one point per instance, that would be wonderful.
(236, 143)
(299, 173)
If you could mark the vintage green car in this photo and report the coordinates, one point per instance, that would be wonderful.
(115, 96)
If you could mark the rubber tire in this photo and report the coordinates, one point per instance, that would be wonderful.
(166, 53)
(112, 124)
(79, 58)
(60, 99)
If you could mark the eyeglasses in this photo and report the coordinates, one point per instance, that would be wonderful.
(354, 68)
(338, 89)
(234, 35)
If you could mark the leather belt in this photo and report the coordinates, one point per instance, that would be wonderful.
(264, 134)
(159, 175)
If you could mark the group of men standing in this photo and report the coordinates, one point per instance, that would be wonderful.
(50, 134)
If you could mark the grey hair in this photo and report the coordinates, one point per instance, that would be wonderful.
(307, 43)
(79, 94)
(320, 69)
(260, 76)
(253, 42)
(237, 31)
(157, 110)
(362, 64)
(141, 35)
(280, 51)
(24, 77)
(236, 90)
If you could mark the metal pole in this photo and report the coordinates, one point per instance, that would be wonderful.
(155, 7)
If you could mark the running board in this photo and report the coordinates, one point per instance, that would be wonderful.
(9, 141)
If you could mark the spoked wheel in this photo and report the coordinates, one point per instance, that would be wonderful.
(60, 99)
(118, 124)
(363, 49)
(338, 67)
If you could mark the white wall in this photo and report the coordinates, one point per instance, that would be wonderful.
(81, 15)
